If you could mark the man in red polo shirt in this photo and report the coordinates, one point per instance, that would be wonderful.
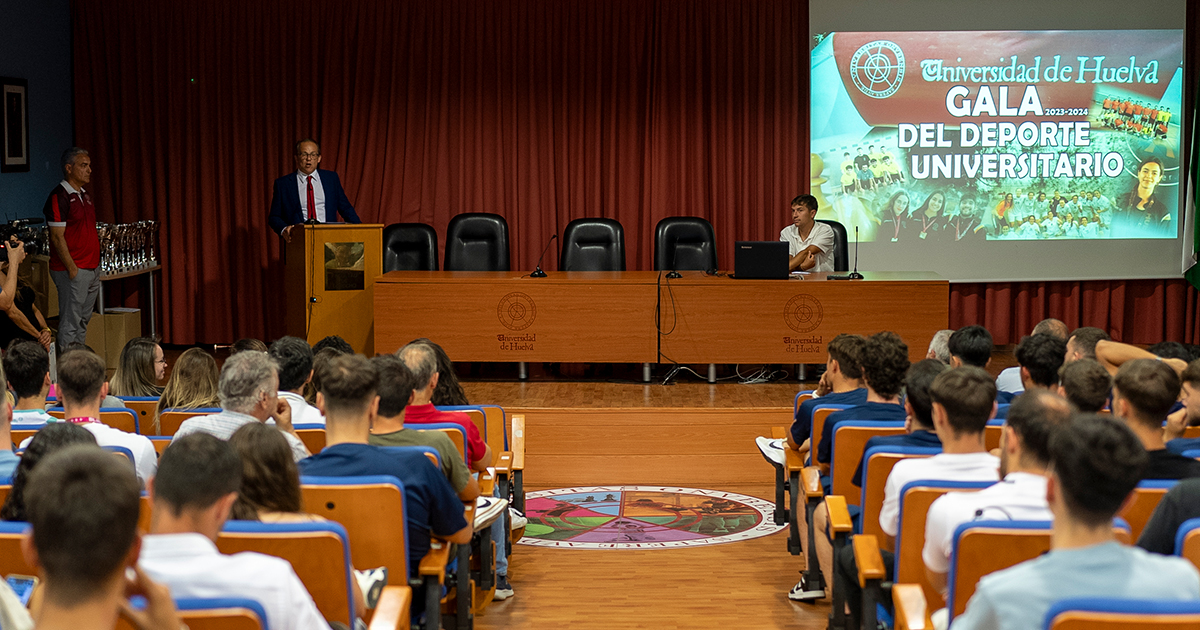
(74, 247)
(421, 359)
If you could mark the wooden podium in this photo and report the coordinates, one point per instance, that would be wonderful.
(329, 278)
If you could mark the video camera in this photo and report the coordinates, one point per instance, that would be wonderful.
(20, 229)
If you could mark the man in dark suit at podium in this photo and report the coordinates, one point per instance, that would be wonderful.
(308, 194)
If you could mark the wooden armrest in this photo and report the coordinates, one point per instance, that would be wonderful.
(392, 611)
(469, 511)
(518, 442)
(504, 464)
(839, 515)
(778, 433)
(911, 611)
(868, 559)
(487, 482)
(792, 460)
(811, 480)
(435, 560)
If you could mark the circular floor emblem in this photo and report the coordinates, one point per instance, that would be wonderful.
(877, 68)
(516, 311)
(803, 313)
(643, 517)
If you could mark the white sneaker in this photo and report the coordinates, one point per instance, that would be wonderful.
(772, 450)
(516, 519)
(801, 592)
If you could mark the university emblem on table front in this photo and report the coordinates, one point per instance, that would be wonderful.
(516, 311)
(803, 313)
(877, 68)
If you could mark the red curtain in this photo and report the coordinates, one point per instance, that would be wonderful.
(542, 111)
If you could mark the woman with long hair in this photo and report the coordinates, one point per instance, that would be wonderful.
(193, 384)
(927, 221)
(893, 216)
(50, 439)
(139, 369)
(1001, 209)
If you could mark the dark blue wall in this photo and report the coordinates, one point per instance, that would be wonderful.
(35, 45)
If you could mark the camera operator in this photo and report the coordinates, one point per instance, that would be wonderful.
(8, 282)
(22, 319)
(74, 247)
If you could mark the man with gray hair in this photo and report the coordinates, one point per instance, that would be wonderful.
(248, 390)
(1010, 378)
(74, 246)
(939, 346)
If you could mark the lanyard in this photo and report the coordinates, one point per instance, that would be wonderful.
(83, 420)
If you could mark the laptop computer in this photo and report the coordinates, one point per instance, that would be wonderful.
(760, 260)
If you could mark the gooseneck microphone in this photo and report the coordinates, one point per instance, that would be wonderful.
(537, 272)
(674, 259)
(854, 275)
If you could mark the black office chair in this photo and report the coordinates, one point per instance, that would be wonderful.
(409, 247)
(477, 241)
(593, 245)
(841, 249)
(684, 243)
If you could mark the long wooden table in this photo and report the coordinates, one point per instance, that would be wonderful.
(603, 317)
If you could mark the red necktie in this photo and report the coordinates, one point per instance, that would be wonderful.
(312, 204)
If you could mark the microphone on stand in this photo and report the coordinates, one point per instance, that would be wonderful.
(537, 272)
(854, 275)
(674, 259)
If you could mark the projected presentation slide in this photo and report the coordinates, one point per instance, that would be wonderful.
(999, 135)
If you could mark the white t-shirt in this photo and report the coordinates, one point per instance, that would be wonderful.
(302, 412)
(145, 458)
(191, 566)
(32, 416)
(941, 467)
(821, 235)
(1010, 381)
(1020, 497)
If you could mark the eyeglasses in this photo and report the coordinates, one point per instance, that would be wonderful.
(308, 155)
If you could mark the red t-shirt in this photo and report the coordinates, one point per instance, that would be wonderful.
(76, 212)
(428, 414)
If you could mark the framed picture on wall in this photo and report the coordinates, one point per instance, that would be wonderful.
(15, 125)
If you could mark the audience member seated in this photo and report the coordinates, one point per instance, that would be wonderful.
(972, 345)
(884, 363)
(247, 343)
(1181, 503)
(1170, 350)
(196, 486)
(1143, 392)
(1095, 463)
(918, 410)
(396, 385)
(348, 398)
(1082, 343)
(1021, 493)
(81, 387)
(422, 360)
(1010, 378)
(1112, 355)
(247, 390)
(320, 358)
(270, 489)
(841, 384)
(964, 399)
(1039, 357)
(110, 401)
(295, 360)
(449, 392)
(193, 384)
(1177, 421)
(140, 369)
(1086, 384)
(27, 366)
(335, 342)
(939, 346)
(53, 438)
(83, 514)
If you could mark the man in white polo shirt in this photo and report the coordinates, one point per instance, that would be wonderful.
(295, 360)
(810, 244)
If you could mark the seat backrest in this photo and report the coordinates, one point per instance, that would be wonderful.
(221, 614)
(915, 499)
(1122, 614)
(684, 243)
(991, 433)
(170, 419)
(410, 247)
(593, 245)
(818, 426)
(841, 249)
(11, 558)
(879, 464)
(455, 432)
(477, 241)
(1145, 498)
(491, 420)
(1187, 541)
(25, 432)
(116, 417)
(479, 417)
(370, 508)
(801, 397)
(849, 443)
(143, 406)
(313, 436)
(319, 554)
